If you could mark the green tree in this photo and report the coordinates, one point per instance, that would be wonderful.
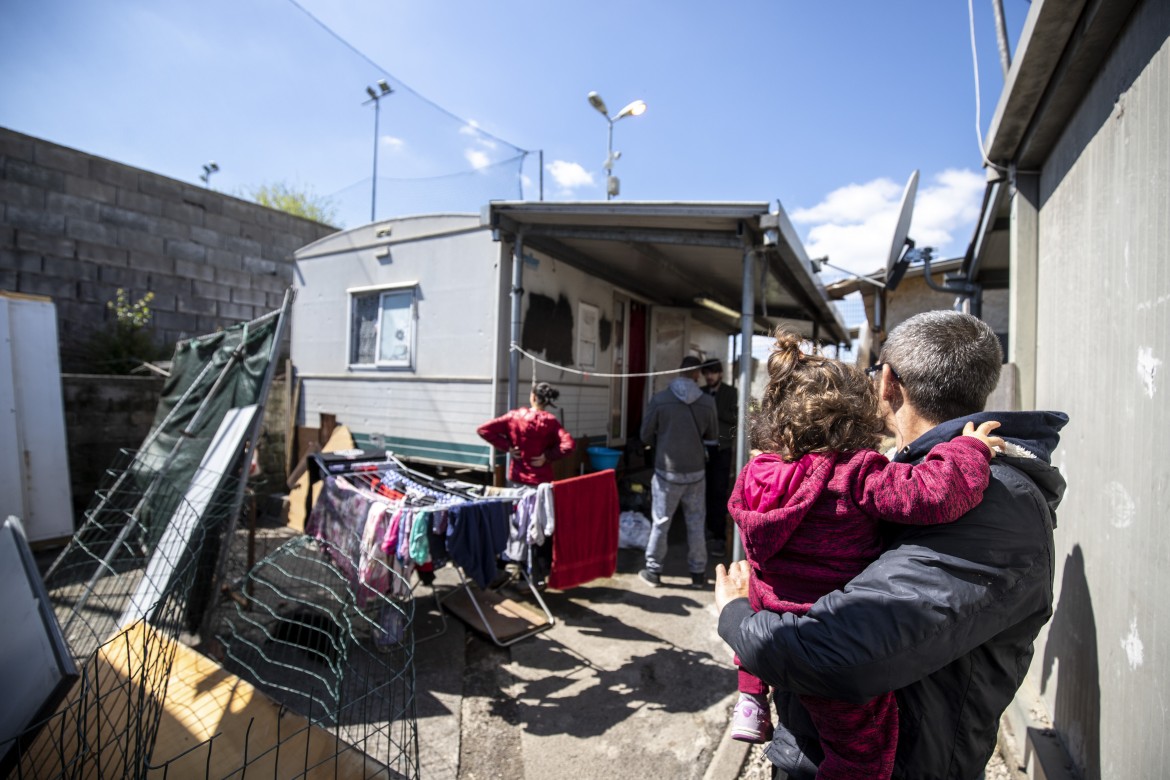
(295, 200)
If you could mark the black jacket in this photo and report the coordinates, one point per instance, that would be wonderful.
(946, 617)
(727, 410)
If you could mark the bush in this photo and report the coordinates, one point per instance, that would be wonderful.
(126, 343)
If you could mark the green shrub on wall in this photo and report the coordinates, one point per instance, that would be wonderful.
(126, 343)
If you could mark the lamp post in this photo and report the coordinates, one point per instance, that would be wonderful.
(375, 96)
(637, 108)
(208, 169)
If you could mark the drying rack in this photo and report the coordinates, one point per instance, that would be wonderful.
(348, 463)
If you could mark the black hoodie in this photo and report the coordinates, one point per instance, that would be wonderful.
(946, 617)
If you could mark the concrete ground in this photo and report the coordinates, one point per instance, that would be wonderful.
(631, 682)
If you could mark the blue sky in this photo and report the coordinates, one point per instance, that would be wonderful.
(825, 106)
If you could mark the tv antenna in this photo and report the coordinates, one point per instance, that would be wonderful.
(900, 257)
(904, 252)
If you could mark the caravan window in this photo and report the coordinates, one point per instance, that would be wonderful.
(382, 328)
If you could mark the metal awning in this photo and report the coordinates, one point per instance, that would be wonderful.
(674, 254)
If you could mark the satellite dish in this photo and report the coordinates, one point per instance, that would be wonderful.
(898, 261)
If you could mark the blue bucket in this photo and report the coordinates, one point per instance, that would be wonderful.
(602, 458)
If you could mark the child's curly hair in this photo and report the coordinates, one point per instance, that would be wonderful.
(814, 404)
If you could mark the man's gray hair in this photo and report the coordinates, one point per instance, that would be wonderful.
(947, 363)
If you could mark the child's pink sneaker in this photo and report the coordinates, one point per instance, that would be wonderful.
(751, 721)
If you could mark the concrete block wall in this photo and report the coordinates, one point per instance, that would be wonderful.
(105, 415)
(76, 227)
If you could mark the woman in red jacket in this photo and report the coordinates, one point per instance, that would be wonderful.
(533, 437)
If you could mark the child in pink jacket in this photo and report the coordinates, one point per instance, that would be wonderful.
(808, 509)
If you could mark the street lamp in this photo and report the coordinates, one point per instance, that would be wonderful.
(208, 169)
(383, 91)
(637, 108)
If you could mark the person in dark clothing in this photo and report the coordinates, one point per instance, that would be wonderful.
(679, 423)
(719, 456)
(946, 617)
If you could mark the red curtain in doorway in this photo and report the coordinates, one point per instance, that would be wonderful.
(636, 349)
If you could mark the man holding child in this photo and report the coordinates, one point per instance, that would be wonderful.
(947, 615)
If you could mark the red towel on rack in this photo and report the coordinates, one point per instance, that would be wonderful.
(585, 541)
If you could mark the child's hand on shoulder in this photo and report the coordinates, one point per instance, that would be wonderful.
(983, 434)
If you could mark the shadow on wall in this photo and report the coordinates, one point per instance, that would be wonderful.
(1072, 649)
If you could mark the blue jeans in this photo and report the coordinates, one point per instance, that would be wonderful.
(664, 499)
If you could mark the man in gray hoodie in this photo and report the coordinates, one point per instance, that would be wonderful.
(679, 422)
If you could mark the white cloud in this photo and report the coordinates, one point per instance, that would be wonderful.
(854, 225)
(479, 160)
(476, 155)
(569, 175)
(473, 129)
(394, 143)
(853, 202)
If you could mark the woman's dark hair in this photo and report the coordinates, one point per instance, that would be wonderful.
(545, 393)
(814, 404)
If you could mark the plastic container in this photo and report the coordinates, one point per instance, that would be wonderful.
(602, 458)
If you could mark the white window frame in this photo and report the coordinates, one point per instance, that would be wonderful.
(382, 291)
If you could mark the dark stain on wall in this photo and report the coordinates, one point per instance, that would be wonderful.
(548, 328)
(604, 332)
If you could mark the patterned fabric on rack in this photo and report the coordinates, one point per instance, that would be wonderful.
(333, 521)
(373, 566)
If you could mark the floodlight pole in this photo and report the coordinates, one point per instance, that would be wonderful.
(374, 177)
(636, 108)
(609, 161)
(375, 98)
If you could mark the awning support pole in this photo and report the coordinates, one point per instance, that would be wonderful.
(514, 355)
(517, 295)
(744, 382)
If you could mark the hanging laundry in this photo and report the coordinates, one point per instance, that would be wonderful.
(544, 515)
(517, 547)
(373, 566)
(332, 521)
(476, 535)
(420, 547)
(586, 539)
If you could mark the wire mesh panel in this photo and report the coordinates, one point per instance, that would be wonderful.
(331, 656)
(94, 581)
(120, 598)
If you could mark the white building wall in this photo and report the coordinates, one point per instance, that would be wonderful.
(1102, 350)
(447, 393)
(460, 375)
(584, 400)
